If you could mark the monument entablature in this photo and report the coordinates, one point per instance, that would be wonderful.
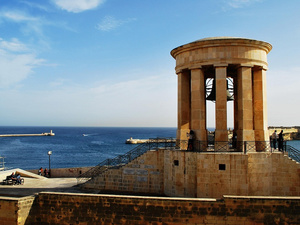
(221, 50)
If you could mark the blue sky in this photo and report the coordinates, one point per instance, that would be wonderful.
(108, 63)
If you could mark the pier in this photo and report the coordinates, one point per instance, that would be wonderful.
(157, 140)
(28, 135)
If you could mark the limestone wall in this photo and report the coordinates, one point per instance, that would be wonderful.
(192, 174)
(64, 208)
(14, 211)
(221, 174)
(285, 176)
(142, 175)
(65, 172)
(180, 174)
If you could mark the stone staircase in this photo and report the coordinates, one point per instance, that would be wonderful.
(126, 158)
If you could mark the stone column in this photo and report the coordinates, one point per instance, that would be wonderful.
(245, 130)
(260, 105)
(221, 133)
(184, 105)
(198, 107)
(235, 144)
(235, 104)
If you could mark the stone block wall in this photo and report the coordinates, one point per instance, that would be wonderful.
(260, 173)
(285, 176)
(221, 174)
(192, 174)
(65, 172)
(142, 175)
(14, 211)
(67, 208)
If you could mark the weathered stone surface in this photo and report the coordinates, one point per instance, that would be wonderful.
(114, 209)
(242, 60)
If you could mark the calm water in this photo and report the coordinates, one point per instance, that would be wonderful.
(295, 144)
(69, 147)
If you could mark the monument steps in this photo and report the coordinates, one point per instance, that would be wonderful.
(290, 159)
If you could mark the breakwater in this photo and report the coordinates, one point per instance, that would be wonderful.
(28, 135)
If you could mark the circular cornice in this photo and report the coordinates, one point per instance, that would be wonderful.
(221, 41)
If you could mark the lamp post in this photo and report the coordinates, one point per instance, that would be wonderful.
(49, 153)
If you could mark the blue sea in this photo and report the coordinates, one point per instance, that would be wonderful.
(71, 146)
(74, 146)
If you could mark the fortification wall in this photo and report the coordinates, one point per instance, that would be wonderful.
(14, 211)
(65, 172)
(68, 208)
(142, 175)
(63, 208)
(192, 174)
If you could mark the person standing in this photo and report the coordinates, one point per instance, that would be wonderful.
(40, 171)
(191, 140)
(46, 172)
(280, 141)
(274, 139)
(234, 140)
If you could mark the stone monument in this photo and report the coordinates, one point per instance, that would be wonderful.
(244, 62)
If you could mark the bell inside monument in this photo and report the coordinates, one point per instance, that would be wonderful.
(212, 94)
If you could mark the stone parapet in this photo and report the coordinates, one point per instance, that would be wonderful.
(65, 172)
(63, 208)
(203, 174)
(14, 211)
(49, 208)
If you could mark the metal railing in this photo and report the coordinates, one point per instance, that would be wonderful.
(2, 163)
(121, 160)
(224, 146)
(173, 144)
(293, 153)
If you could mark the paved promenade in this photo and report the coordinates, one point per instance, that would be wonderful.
(34, 184)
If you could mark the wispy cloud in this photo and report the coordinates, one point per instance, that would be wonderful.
(16, 62)
(109, 23)
(13, 45)
(36, 5)
(17, 16)
(29, 23)
(58, 82)
(240, 3)
(77, 6)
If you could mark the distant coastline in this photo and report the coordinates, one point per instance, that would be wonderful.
(289, 133)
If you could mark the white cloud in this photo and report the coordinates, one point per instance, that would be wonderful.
(14, 45)
(109, 23)
(37, 6)
(240, 3)
(29, 23)
(76, 6)
(58, 82)
(16, 62)
(17, 16)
